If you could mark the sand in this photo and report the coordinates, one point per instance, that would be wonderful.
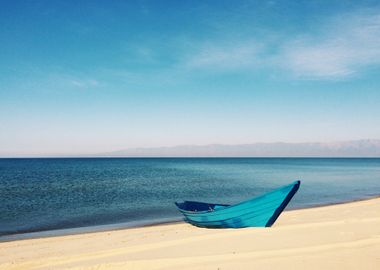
(345, 236)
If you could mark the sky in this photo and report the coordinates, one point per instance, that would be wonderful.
(82, 77)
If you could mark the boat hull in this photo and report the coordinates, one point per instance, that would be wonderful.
(261, 211)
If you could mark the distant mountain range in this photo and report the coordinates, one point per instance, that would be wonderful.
(357, 148)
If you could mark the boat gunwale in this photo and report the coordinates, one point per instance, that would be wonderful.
(252, 214)
(240, 210)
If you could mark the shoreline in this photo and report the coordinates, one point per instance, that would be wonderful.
(138, 224)
(340, 236)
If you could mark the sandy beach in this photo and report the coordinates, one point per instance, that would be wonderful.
(345, 236)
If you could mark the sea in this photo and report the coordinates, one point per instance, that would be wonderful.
(52, 196)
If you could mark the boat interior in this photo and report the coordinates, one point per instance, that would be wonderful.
(199, 206)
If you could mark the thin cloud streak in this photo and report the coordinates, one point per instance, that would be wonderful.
(344, 46)
(225, 57)
(349, 44)
(84, 83)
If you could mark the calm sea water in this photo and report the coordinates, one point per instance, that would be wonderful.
(50, 194)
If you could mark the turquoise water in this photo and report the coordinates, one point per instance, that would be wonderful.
(50, 194)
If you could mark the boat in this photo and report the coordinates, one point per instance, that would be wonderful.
(261, 211)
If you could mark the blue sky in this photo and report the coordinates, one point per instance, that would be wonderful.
(80, 77)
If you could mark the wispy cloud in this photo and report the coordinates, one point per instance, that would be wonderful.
(339, 48)
(58, 81)
(53, 79)
(228, 57)
(84, 83)
(349, 43)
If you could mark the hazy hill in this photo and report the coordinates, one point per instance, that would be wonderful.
(358, 148)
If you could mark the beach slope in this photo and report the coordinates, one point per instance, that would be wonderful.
(345, 236)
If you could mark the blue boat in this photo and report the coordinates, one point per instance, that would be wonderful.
(261, 211)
